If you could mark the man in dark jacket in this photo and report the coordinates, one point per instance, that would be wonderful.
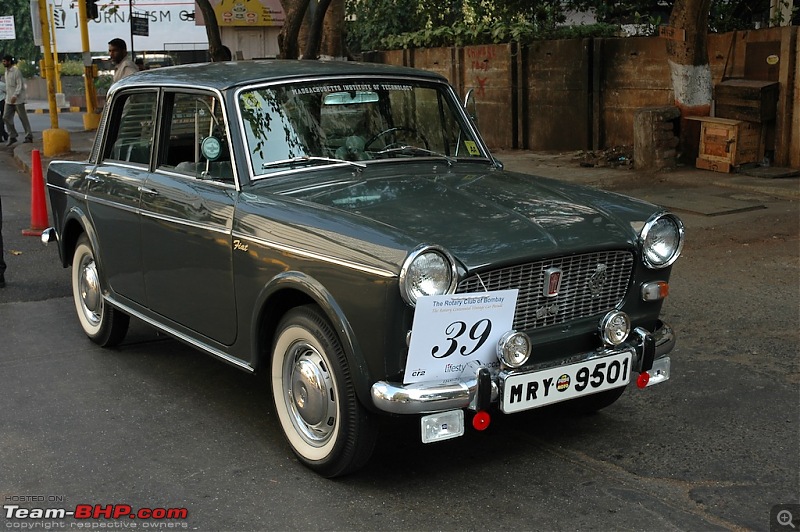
(2, 261)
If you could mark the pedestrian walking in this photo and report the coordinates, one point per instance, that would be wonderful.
(124, 66)
(15, 101)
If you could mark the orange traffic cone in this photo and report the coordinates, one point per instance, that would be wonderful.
(38, 203)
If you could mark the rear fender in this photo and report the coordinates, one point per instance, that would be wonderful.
(76, 222)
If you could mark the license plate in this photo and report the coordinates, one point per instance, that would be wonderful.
(539, 388)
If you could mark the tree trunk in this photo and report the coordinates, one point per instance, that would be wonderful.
(333, 31)
(690, 71)
(212, 31)
(315, 30)
(287, 38)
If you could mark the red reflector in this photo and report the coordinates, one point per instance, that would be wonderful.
(643, 379)
(481, 420)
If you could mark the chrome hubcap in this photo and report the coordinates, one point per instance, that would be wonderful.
(310, 394)
(90, 296)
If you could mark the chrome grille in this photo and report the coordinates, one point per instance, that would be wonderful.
(581, 294)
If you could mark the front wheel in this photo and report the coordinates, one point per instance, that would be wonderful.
(103, 324)
(323, 421)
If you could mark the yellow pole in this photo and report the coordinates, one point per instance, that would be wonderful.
(56, 65)
(54, 140)
(91, 118)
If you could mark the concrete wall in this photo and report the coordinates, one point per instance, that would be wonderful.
(490, 72)
(556, 95)
(584, 93)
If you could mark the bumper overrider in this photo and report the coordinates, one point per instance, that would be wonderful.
(478, 387)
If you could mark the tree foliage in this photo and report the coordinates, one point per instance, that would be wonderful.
(22, 47)
(393, 24)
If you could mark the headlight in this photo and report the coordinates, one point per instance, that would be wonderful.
(662, 240)
(428, 271)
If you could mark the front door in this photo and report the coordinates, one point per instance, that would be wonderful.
(187, 213)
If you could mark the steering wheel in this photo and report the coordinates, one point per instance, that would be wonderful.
(396, 144)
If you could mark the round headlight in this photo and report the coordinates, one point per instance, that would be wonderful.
(615, 327)
(662, 241)
(428, 271)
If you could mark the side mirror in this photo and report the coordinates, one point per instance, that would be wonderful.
(470, 106)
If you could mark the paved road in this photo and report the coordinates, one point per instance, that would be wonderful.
(154, 424)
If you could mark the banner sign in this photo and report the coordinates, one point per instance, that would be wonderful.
(250, 13)
(451, 331)
(171, 25)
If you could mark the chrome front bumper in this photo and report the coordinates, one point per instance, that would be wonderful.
(476, 388)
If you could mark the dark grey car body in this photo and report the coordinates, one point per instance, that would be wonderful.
(219, 263)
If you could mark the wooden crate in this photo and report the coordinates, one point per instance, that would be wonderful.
(746, 99)
(726, 144)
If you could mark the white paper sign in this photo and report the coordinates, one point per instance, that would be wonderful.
(450, 331)
(7, 30)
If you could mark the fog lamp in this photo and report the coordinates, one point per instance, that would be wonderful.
(615, 327)
(442, 426)
(514, 348)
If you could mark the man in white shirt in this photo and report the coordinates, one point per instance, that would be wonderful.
(15, 101)
(118, 51)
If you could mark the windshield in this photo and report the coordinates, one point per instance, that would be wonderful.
(309, 124)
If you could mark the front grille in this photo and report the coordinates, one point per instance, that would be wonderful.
(591, 284)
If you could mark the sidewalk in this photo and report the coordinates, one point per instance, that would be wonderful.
(565, 166)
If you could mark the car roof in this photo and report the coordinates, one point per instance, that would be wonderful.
(225, 75)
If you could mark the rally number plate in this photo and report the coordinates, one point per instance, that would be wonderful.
(539, 388)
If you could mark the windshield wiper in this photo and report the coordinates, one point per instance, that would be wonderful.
(295, 161)
(450, 160)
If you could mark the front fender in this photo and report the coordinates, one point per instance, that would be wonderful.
(293, 288)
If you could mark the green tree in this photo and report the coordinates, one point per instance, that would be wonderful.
(724, 15)
(22, 47)
(373, 20)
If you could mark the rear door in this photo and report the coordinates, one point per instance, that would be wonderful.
(115, 190)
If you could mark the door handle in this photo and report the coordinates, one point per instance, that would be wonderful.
(149, 191)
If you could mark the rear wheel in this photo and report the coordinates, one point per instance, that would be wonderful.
(103, 324)
(315, 399)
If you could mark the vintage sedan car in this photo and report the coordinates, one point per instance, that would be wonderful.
(343, 228)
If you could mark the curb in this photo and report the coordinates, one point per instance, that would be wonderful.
(60, 110)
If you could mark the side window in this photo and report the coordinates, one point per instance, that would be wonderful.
(195, 142)
(132, 140)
